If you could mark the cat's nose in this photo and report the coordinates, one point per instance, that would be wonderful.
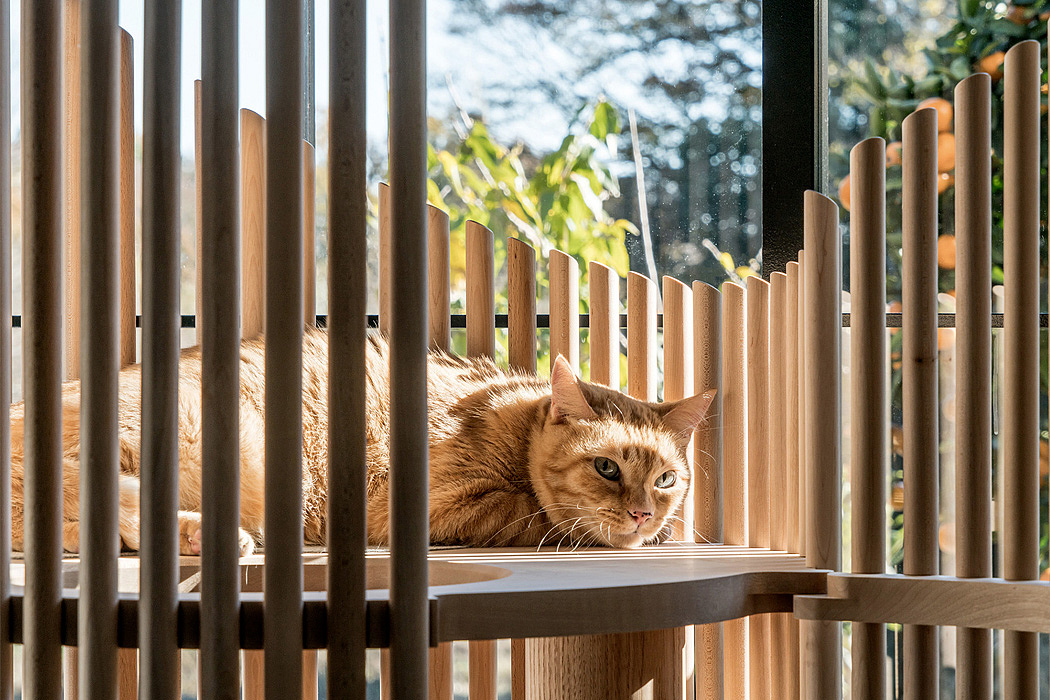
(640, 516)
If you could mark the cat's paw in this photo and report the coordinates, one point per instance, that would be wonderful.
(190, 536)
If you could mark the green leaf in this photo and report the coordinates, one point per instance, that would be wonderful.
(960, 68)
(875, 86)
(968, 8)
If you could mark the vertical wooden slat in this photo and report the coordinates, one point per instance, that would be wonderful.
(220, 307)
(6, 652)
(127, 199)
(159, 500)
(707, 471)
(100, 356)
(789, 642)
(284, 323)
(518, 666)
(802, 364)
(481, 291)
(1020, 431)
(521, 305)
(734, 471)
(780, 624)
(409, 609)
(678, 377)
(440, 676)
(198, 165)
(564, 276)
(919, 288)
(868, 392)
(604, 330)
(71, 156)
(758, 466)
(642, 300)
(253, 222)
(347, 308)
(973, 367)
(309, 223)
(482, 670)
(438, 274)
(386, 269)
(310, 675)
(822, 647)
(42, 219)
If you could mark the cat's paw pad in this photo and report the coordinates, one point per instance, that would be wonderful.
(246, 542)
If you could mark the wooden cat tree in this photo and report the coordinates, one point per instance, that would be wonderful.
(755, 613)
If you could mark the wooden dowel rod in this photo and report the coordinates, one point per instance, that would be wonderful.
(198, 165)
(253, 223)
(386, 270)
(821, 640)
(868, 392)
(409, 535)
(734, 471)
(564, 276)
(482, 670)
(642, 300)
(221, 292)
(6, 651)
(127, 200)
(604, 324)
(100, 349)
(71, 189)
(973, 367)
(310, 675)
(309, 250)
(518, 666)
(789, 639)
(161, 245)
(42, 220)
(777, 409)
(678, 376)
(707, 470)
(253, 674)
(347, 308)
(802, 363)
(1020, 429)
(481, 291)
(283, 322)
(440, 658)
(521, 305)
(438, 276)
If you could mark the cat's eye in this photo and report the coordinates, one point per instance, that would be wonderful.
(666, 479)
(607, 468)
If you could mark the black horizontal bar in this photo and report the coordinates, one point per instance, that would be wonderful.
(544, 321)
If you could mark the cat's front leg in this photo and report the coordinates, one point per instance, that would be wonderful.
(190, 535)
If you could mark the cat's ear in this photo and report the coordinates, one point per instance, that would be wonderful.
(567, 399)
(684, 416)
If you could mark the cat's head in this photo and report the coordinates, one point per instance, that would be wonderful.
(609, 469)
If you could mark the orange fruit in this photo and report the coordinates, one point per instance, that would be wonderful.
(1017, 15)
(945, 112)
(946, 537)
(945, 151)
(992, 64)
(893, 153)
(844, 193)
(946, 251)
(944, 181)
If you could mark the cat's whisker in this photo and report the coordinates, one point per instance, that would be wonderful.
(517, 520)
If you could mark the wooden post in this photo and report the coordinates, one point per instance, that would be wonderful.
(309, 250)
(605, 324)
(386, 266)
(198, 166)
(565, 307)
(1020, 430)
(868, 393)
(642, 299)
(481, 292)
(779, 624)
(127, 200)
(71, 157)
(253, 223)
(789, 643)
(482, 670)
(521, 305)
(438, 285)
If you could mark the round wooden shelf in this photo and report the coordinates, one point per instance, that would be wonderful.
(500, 593)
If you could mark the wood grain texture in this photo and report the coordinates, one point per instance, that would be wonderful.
(642, 300)
(604, 329)
(821, 646)
(678, 375)
(973, 367)
(521, 305)
(253, 223)
(481, 291)
(777, 411)
(71, 184)
(793, 422)
(440, 676)
(309, 245)
(564, 275)
(439, 280)
(802, 363)
(386, 265)
(868, 393)
(198, 187)
(518, 663)
(127, 200)
(1020, 426)
(482, 670)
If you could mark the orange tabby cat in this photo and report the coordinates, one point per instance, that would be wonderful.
(514, 460)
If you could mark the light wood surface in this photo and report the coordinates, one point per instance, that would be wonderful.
(127, 200)
(789, 639)
(309, 246)
(734, 471)
(198, 160)
(678, 378)
(973, 367)
(518, 664)
(521, 305)
(868, 392)
(440, 676)
(604, 324)
(71, 112)
(386, 265)
(1020, 421)
(777, 409)
(564, 275)
(642, 300)
(253, 223)
(481, 291)
(802, 364)
(439, 273)
(482, 670)
(821, 645)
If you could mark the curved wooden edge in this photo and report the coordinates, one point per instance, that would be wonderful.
(253, 223)
(438, 276)
(521, 305)
(565, 307)
(481, 291)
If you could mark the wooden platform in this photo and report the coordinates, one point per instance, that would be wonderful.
(500, 593)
